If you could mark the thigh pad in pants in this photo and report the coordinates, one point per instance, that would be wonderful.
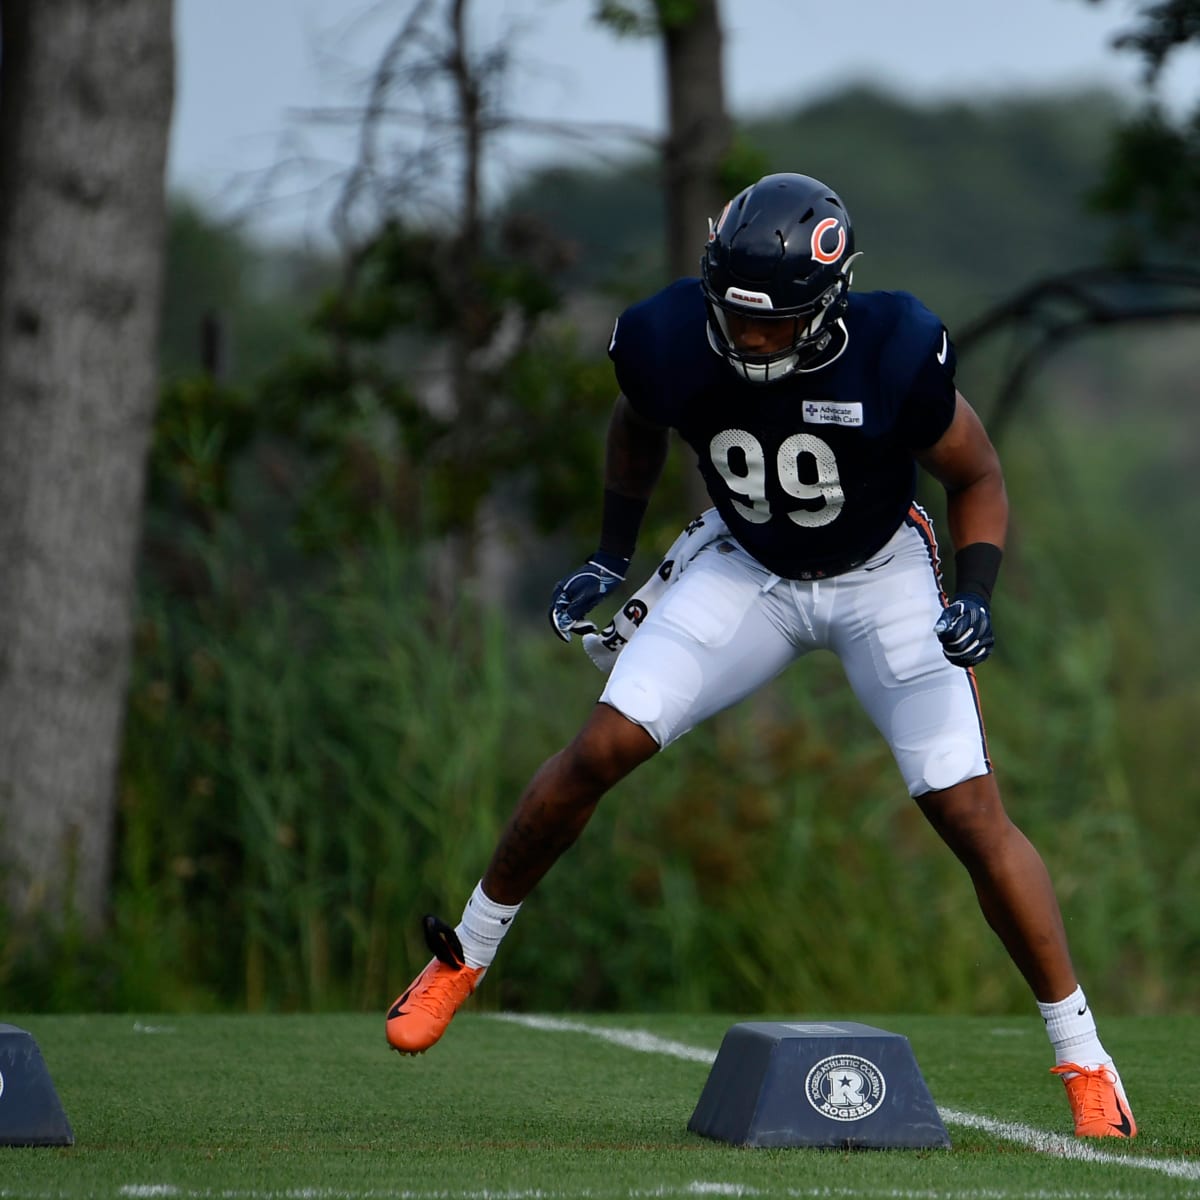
(927, 709)
(706, 645)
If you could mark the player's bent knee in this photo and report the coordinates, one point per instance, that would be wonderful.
(970, 819)
(608, 748)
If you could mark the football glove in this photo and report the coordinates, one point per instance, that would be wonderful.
(965, 630)
(575, 595)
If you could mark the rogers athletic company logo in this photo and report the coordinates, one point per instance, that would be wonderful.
(845, 1087)
(818, 235)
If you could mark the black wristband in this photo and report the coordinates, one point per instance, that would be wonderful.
(976, 567)
(620, 522)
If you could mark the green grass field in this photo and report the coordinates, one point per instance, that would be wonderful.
(317, 1108)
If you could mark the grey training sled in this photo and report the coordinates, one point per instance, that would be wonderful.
(30, 1112)
(834, 1084)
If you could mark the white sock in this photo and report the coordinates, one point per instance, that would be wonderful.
(1071, 1029)
(483, 926)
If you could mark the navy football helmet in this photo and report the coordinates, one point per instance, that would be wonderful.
(782, 250)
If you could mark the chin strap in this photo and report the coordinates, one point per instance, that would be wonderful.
(823, 351)
(805, 358)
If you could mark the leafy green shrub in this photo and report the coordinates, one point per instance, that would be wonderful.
(304, 782)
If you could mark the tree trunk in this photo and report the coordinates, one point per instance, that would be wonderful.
(86, 90)
(699, 137)
(699, 133)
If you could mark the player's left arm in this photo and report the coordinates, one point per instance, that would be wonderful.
(965, 462)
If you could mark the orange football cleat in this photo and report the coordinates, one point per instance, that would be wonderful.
(1097, 1100)
(425, 1008)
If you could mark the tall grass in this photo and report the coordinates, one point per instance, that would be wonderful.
(313, 776)
(308, 771)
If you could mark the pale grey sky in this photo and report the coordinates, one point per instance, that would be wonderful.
(247, 68)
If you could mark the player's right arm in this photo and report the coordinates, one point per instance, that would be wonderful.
(635, 451)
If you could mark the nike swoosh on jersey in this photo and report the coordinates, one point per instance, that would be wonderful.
(941, 354)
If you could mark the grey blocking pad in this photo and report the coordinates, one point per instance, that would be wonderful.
(30, 1112)
(832, 1084)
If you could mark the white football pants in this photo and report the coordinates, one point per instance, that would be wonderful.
(728, 626)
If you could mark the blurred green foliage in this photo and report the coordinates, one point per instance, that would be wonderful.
(1151, 178)
(961, 202)
(307, 774)
(230, 300)
(327, 728)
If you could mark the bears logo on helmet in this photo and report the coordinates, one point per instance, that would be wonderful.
(819, 231)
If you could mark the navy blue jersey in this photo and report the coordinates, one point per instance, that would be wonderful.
(815, 472)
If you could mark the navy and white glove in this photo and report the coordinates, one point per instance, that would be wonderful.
(575, 595)
(965, 630)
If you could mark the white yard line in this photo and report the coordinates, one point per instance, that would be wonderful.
(696, 1188)
(631, 1039)
(1065, 1147)
(1009, 1131)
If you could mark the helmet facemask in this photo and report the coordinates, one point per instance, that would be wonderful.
(811, 329)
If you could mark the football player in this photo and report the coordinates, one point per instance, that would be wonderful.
(810, 409)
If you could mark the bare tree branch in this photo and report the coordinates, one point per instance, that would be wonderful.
(1050, 313)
